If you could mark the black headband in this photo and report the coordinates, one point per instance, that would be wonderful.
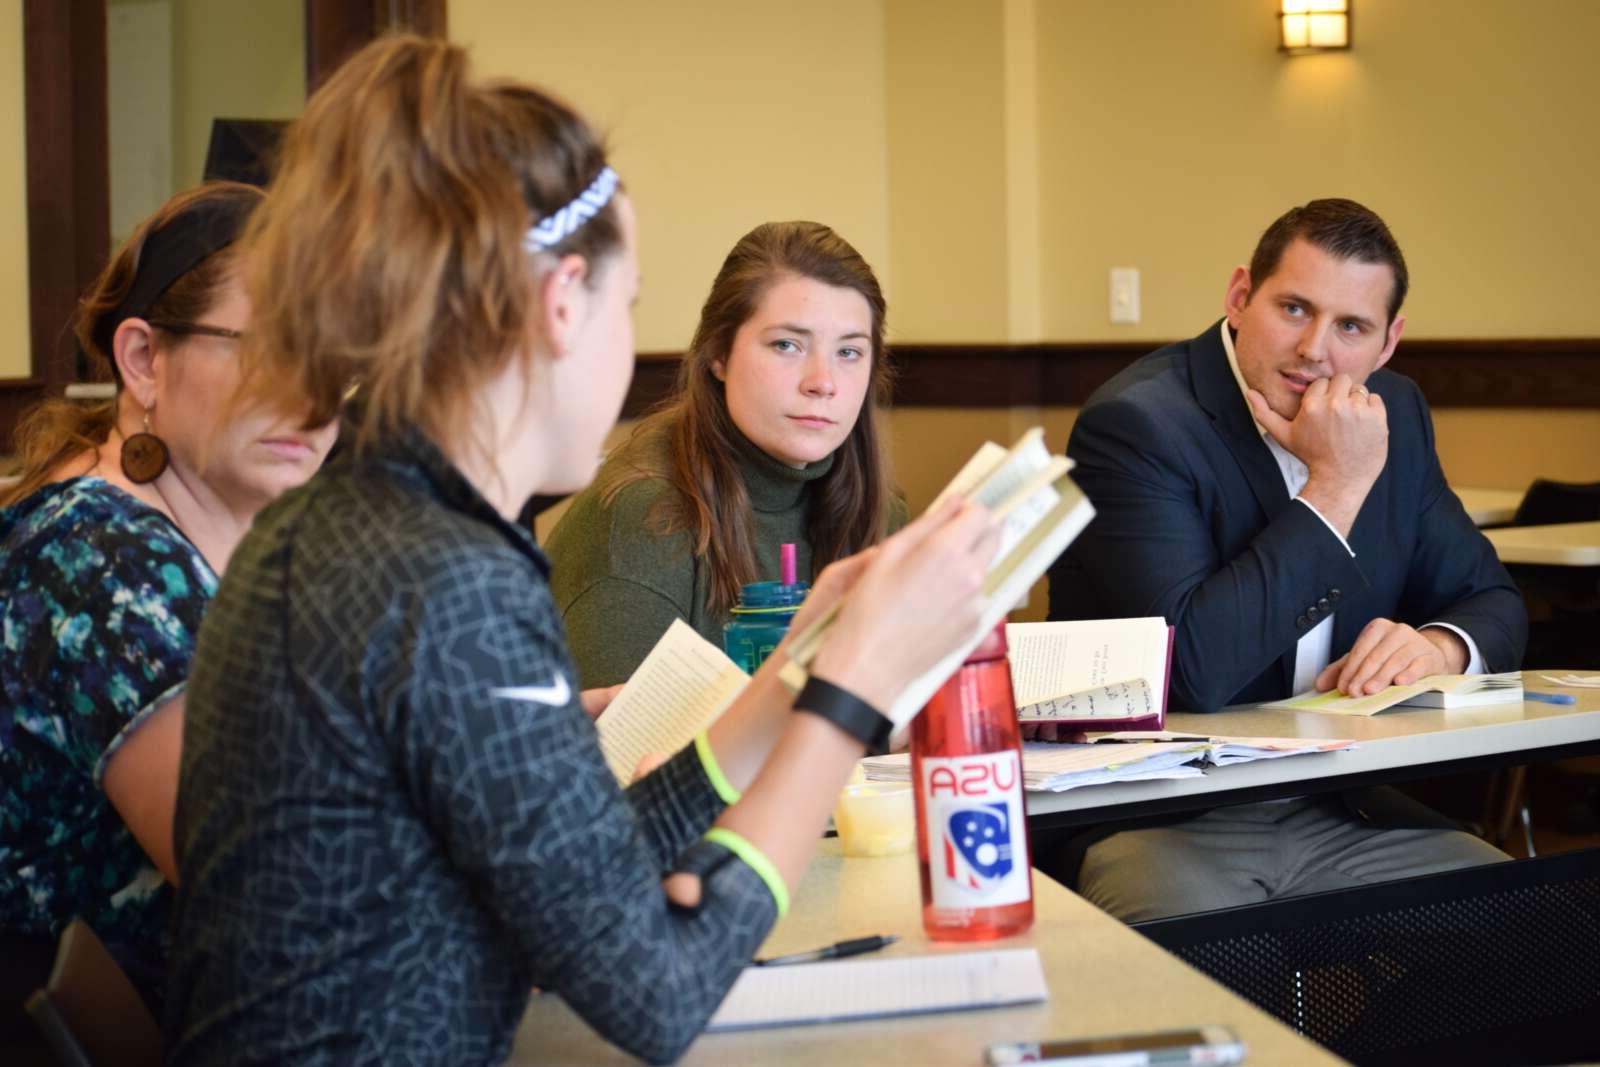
(171, 252)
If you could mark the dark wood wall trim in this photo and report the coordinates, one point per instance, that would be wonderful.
(68, 171)
(336, 28)
(1477, 373)
(68, 186)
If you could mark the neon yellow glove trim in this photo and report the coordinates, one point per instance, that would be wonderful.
(756, 860)
(713, 769)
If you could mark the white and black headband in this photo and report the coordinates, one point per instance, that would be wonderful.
(569, 219)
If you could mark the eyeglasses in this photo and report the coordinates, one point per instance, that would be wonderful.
(197, 327)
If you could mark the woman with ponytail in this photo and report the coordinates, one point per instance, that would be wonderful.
(110, 547)
(772, 438)
(394, 818)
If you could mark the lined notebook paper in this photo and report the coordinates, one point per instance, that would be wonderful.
(835, 990)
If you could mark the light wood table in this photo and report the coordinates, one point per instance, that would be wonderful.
(1489, 507)
(1399, 744)
(1103, 977)
(1567, 544)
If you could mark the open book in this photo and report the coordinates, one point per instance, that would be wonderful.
(680, 688)
(1102, 674)
(1040, 509)
(1434, 691)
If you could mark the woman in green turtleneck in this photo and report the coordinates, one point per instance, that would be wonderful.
(770, 438)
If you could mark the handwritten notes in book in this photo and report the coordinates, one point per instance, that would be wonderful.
(1091, 669)
(680, 688)
(1120, 700)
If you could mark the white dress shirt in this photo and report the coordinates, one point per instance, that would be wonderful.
(1315, 649)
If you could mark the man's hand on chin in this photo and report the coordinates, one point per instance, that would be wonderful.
(1341, 434)
(1391, 653)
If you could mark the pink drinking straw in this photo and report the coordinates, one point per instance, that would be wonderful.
(786, 569)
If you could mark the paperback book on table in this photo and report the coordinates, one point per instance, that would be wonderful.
(1434, 691)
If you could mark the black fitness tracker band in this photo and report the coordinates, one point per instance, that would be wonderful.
(847, 711)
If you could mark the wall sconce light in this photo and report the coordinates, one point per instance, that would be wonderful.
(1313, 25)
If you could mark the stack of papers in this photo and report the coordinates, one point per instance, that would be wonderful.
(1575, 681)
(1434, 691)
(1052, 768)
(1055, 768)
(1222, 751)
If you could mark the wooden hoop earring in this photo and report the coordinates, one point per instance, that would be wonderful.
(144, 455)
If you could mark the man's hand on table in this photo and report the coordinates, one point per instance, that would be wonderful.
(1391, 653)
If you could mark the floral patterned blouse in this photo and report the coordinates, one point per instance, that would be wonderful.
(101, 598)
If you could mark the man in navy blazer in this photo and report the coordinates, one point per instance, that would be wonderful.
(1276, 495)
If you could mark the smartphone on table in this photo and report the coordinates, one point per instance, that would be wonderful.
(1202, 1045)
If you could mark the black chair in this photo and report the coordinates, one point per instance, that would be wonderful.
(1549, 502)
(1563, 615)
(1563, 602)
(27, 962)
(89, 1011)
(1490, 965)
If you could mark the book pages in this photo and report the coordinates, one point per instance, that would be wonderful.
(1120, 700)
(1090, 669)
(1041, 511)
(1433, 691)
(680, 689)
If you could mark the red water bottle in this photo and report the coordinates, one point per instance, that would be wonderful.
(972, 827)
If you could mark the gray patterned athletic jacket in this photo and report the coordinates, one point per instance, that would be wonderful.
(380, 850)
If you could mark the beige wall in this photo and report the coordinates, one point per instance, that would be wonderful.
(1506, 448)
(722, 114)
(1172, 132)
(14, 343)
(237, 59)
(992, 158)
(947, 163)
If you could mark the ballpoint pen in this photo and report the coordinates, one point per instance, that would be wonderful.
(839, 950)
(1549, 698)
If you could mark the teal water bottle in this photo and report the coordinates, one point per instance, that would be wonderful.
(762, 616)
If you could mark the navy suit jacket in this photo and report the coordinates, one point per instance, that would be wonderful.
(1195, 524)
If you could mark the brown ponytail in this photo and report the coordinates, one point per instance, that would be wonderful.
(390, 250)
(57, 430)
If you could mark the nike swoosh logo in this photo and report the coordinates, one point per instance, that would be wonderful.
(556, 695)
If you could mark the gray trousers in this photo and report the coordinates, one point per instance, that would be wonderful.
(1251, 853)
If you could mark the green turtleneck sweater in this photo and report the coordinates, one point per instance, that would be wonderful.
(619, 585)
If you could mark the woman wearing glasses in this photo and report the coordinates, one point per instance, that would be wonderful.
(110, 548)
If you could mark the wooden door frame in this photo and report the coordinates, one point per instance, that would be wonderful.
(67, 144)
